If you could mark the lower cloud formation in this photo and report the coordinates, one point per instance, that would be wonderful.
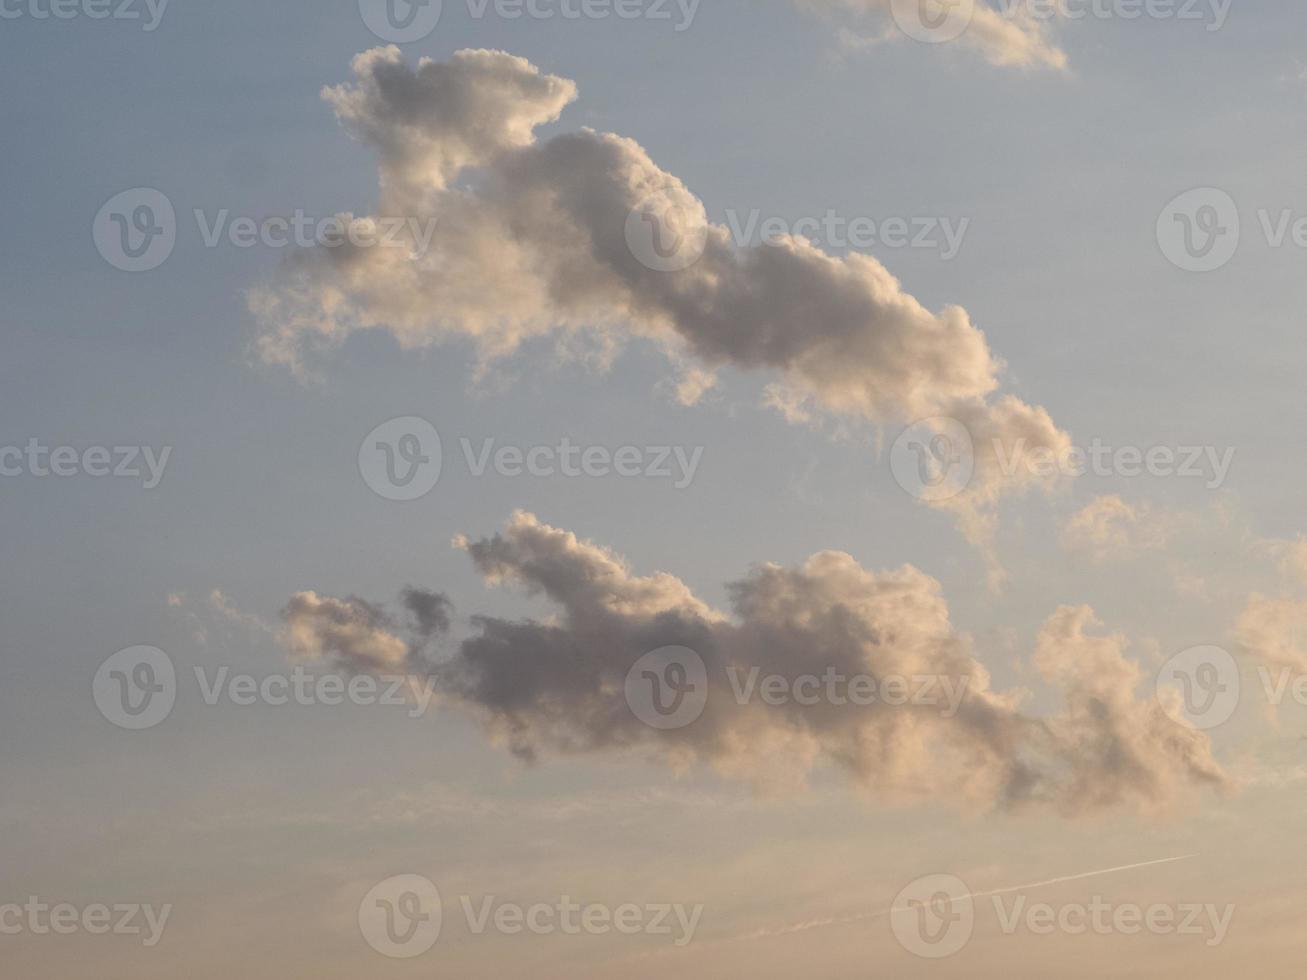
(558, 687)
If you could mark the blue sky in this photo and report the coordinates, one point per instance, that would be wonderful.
(268, 824)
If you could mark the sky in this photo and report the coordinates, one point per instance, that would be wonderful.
(641, 489)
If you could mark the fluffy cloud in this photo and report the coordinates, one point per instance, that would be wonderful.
(1273, 629)
(1108, 527)
(429, 125)
(357, 635)
(1116, 747)
(539, 242)
(535, 238)
(558, 686)
(1016, 38)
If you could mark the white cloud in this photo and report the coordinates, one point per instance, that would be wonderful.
(1108, 528)
(1012, 39)
(533, 241)
(350, 632)
(557, 687)
(1118, 747)
(1274, 628)
(1275, 631)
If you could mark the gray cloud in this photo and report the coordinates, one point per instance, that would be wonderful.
(557, 687)
(533, 241)
(357, 635)
(429, 612)
(1115, 747)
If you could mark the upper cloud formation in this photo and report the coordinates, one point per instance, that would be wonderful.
(559, 686)
(1010, 36)
(536, 237)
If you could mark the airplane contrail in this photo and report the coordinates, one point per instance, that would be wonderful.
(864, 916)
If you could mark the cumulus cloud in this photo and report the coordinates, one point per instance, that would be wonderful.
(429, 125)
(538, 242)
(1109, 528)
(1117, 748)
(1273, 628)
(558, 686)
(1010, 36)
(535, 238)
(356, 635)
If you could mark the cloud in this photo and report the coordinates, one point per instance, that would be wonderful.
(217, 614)
(558, 687)
(1116, 747)
(357, 635)
(429, 613)
(1108, 528)
(1012, 39)
(1000, 429)
(539, 242)
(429, 125)
(1291, 557)
(1273, 629)
(539, 238)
